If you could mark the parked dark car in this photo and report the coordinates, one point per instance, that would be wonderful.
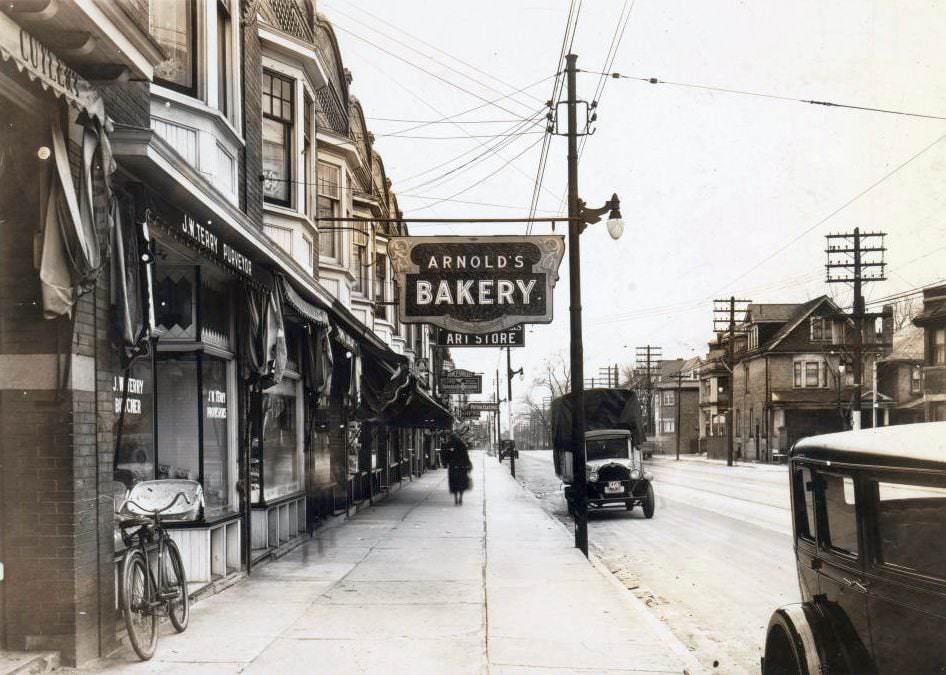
(507, 448)
(869, 519)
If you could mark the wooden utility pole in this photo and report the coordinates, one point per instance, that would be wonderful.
(575, 226)
(648, 357)
(720, 309)
(849, 255)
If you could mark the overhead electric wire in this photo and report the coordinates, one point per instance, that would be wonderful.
(840, 208)
(465, 201)
(454, 138)
(411, 121)
(745, 92)
(488, 149)
(568, 39)
(481, 180)
(820, 222)
(440, 78)
(442, 51)
(452, 159)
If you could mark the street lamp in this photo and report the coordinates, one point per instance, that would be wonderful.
(509, 375)
(579, 217)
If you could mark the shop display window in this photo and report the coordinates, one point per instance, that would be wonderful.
(178, 430)
(282, 447)
(215, 432)
(134, 461)
(194, 409)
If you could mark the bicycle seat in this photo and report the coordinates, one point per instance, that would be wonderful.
(134, 522)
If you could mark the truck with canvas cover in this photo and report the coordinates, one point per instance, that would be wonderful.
(613, 462)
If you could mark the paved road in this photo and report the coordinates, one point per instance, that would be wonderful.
(712, 564)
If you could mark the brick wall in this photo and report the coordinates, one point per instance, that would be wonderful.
(251, 166)
(128, 103)
(55, 456)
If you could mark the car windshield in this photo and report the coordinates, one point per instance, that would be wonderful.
(606, 448)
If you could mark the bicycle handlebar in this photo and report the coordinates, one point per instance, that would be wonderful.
(157, 512)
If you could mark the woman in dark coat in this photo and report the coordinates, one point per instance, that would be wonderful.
(457, 458)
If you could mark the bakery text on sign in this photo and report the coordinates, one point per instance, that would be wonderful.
(476, 284)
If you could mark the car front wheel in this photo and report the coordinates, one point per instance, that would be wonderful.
(650, 502)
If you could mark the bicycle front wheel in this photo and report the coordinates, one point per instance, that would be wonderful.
(138, 608)
(179, 606)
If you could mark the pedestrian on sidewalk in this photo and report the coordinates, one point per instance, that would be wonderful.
(456, 455)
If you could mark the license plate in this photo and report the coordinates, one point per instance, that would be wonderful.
(613, 486)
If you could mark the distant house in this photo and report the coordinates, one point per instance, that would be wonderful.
(932, 319)
(792, 375)
(668, 396)
(714, 402)
(900, 380)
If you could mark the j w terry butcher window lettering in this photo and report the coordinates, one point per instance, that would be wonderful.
(477, 284)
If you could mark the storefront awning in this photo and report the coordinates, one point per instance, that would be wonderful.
(43, 65)
(423, 412)
(301, 306)
(152, 159)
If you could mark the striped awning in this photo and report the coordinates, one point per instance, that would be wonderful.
(301, 306)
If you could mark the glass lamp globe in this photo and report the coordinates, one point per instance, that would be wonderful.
(615, 227)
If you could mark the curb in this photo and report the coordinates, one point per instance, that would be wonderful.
(691, 665)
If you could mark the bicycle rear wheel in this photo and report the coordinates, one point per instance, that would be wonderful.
(179, 606)
(137, 595)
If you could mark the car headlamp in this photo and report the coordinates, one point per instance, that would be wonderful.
(648, 475)
(635, 474)
(593, 476)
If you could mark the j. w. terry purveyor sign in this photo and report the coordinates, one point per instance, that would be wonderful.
(476, 284)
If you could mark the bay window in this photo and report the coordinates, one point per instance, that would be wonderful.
(307, 206)
(224, 60)
(174, 28)
(359, 240)
(278, 120)
(380, 286)
(329, 200)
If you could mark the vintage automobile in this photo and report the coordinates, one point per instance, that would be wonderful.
(869, 521)
(613, 463)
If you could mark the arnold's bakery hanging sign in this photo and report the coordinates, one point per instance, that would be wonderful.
(476, 284)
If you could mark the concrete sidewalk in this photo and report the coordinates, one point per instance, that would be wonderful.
(418, 585)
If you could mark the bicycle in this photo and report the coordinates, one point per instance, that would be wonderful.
(146, 588)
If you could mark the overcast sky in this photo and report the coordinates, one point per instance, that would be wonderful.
(721, 193)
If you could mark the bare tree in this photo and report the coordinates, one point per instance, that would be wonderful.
(903, 313)
(553, 381)
(556, 375)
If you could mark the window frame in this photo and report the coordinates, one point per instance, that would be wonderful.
(192, 91)
(824, 524)
(875, 558)
(336, 201)
(379, 292)
(288, 126)
(938, 346)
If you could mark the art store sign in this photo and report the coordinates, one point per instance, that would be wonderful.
(476, 284)
(510, 337)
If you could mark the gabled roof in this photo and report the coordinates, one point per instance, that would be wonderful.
(801, 313)
(770, 313)
(907, 344)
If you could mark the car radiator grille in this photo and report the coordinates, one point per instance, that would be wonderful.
(613, 472)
